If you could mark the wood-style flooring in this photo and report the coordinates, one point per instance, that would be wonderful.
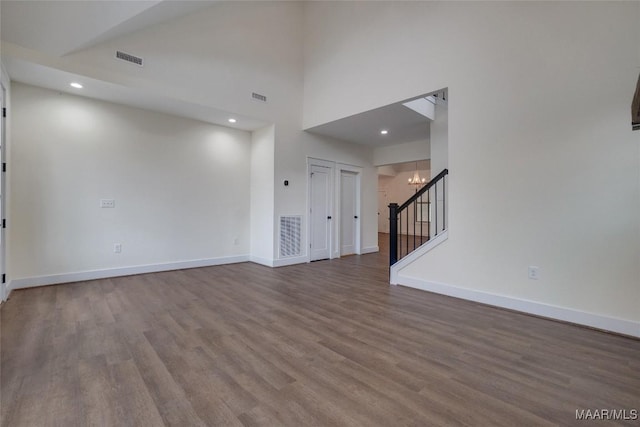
(320, 344)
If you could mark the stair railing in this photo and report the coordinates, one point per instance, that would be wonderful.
(418, 219)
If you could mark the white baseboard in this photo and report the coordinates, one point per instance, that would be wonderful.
(369, 250)
(290, 261)
(30, 282)
(279, 262)
(262, 261)
(598, 321)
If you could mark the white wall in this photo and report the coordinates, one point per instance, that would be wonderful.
(217, 58)
(386, 171)
(181, 187)
(262, 189)
(439, 162)
(440, 140)
(346, 153)
(538, 176)
(400, 153)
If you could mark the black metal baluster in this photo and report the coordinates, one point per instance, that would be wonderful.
(436, 203)
(406, 236)
(444, 203)
(400, 236)
(393, 233)
(414, 224)
(421, 220)
(429, 213)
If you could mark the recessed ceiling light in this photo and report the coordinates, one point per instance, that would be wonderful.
(384, 132)
(232, 120)
(76, 85)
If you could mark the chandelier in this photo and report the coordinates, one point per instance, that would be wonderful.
(416, 180)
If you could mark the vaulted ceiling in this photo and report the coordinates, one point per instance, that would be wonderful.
(41, 31)
(33, 30)
(67, 26)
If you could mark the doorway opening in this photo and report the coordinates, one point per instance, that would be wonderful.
(394, 186)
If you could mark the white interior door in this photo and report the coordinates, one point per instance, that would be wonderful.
(320, 212)
(348, 212)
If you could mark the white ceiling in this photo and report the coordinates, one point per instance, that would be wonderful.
(402, 123)
(66, 26)
(51, 78)
(57, 28)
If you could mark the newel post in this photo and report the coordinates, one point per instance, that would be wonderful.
(393, 233)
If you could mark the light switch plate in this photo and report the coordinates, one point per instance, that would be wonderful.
(107, 203)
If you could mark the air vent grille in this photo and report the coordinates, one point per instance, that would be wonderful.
(259, 97)
(290, 227)
(129, 58)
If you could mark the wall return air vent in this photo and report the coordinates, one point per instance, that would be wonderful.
(128, 57)
(290, 236)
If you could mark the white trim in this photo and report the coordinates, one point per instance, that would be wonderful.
(29, 282)
(431, 244)
(370, 250)
(320, 162)
(280, 262)
(3, 183)
(622, 326)
(357, 171)
(311, 161)
(262, 261)
(290, 261)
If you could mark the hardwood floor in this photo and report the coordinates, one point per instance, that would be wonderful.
(326, 343)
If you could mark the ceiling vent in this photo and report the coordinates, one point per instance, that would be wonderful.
(259, 97)
(129, 58)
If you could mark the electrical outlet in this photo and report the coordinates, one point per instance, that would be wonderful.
(236, 241)
(107, 203)
(117, 248)
(534, 272)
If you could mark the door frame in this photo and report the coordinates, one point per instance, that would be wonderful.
(3, 191)
(331, 166)
(357, 171)
(334, 190)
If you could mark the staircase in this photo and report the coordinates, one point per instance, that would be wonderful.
(419, 219)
